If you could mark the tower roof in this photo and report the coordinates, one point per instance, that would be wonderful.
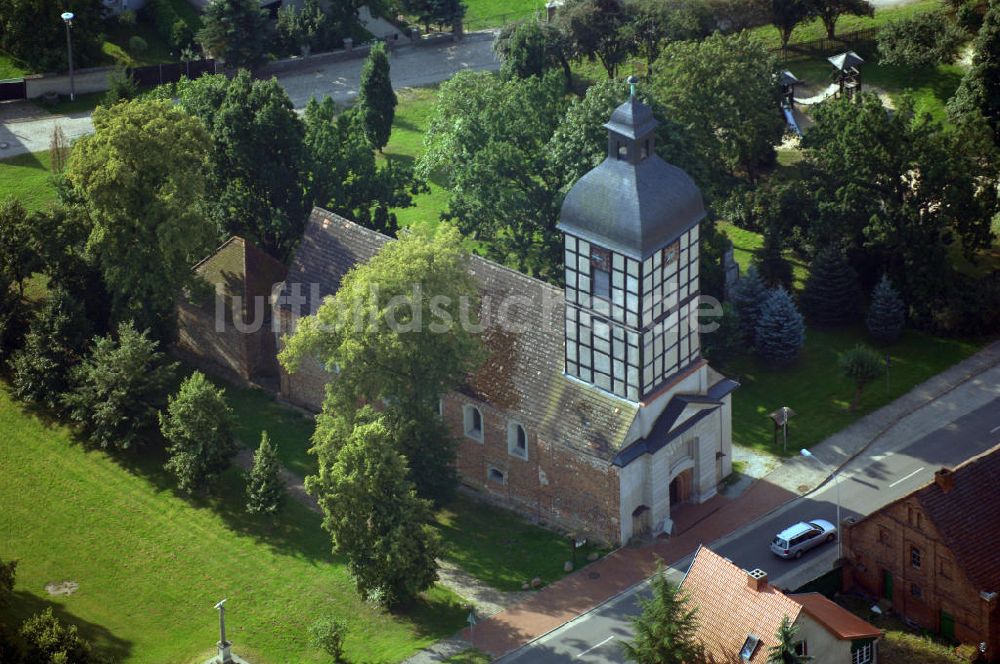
(632, 205)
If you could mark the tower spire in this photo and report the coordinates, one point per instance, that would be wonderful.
(632, 81)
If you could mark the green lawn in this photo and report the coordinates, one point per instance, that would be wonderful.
(9, 68)
(28, 177)
(469, 657)
(482, 14)
(747, 243)
(150, 564)
(491, 544)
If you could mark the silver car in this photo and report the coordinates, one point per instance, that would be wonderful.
(795, 540)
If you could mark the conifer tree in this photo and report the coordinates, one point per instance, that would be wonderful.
(780, 330)
(748, 297)
(887, 314)
(664, 631)
(265, 490)
(774, 268)
(198, 429)
(376, 99)
(831, 293)
(784, 651)
(237, 31)
(979, 91)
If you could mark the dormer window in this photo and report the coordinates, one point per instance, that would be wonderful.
(622, 151)
(600, 273)
(749, 648)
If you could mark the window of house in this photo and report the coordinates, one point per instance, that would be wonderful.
(670, 252)
(473, 423)
(600, 273)
(802, 649)
(915, 557)
(496, 475)
(916, 591)
(517, 440)
(862, 654)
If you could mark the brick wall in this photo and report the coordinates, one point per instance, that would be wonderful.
(883, 542)
(197, 335)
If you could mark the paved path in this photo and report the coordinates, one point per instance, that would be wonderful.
(969, 389)
(24, 131)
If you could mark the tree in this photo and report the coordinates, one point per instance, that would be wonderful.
(363, 478)
(343, 174)
(530, 48)
(665, 630)
(596, 31)
(140, 178)
(59, 148)
(748, 298)
(376, 99)
(264, 487)
(429, 448)
(32, 31)
(51, 642)
(786, 15)
(436, 12)
(861, 365)
(886, 314)
(979, 92)
(771, 263)
(922, 40)
(831, 292)
(785, 651)
(57, 338)
(119, 387)
(235, 31)
(502, 190)
(780, 331)
(328, 634)
(18, 260)
(726, 341)
(262, 199)
(651, 23)
(830, 11)
(198, 428)
(723, 91)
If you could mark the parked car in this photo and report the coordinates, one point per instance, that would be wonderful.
(795, 540)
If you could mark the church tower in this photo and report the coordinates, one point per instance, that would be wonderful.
(631, 254)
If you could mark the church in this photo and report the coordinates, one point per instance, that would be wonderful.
(594, 412)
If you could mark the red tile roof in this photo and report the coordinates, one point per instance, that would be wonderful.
(729, 610)
(839, 621)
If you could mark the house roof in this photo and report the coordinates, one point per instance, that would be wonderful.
(242, 270)
(729, 610)
(524, 374)
(968, 515)
(839, 621)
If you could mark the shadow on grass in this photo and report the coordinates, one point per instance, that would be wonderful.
(26, 604)
(26, 160)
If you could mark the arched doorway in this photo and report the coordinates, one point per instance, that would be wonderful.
(641, 516)
(680, 487)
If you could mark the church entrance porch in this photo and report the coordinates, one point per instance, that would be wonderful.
(680, 488)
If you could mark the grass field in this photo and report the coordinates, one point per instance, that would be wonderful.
(483, 14)
(9, 68)
(151, 564)
(28, 178)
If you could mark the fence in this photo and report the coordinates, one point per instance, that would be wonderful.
(171, 72)
(828, 46)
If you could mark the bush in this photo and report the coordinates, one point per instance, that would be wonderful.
(923, 40)
(860, 365)
(121, 87)
(328, 634)
(137, 44)
(51, 642)
(780, 330)
(970, 17)
(265, 490)
(181, 36)
(165, 20)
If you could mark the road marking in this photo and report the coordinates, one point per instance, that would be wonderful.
(594, 647)
(903, 479)
(995, 429)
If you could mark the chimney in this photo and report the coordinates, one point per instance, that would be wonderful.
(757, 580)
(945, 478)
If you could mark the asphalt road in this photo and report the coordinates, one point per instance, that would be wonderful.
(874, 479)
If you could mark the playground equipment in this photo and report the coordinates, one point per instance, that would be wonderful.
(788, 83)
(846, 79)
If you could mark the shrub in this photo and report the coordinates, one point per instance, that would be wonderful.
(51, 642)
(861, 365)
(121, 87)
(265, 490)
(780, 330)
(970, 17)
(328, 634)
(137, 44)
(922, 40)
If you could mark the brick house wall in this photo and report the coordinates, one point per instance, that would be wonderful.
(886, 541)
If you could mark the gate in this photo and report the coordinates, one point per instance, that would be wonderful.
(13, 89)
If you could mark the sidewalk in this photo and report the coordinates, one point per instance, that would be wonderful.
(582, 591)
(23, 130)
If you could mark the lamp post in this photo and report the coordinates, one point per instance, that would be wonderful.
(836, 480)
(67, 18)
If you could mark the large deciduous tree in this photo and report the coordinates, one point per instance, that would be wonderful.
(198, 428)
(119, 387)
(362, 480)
(786, 15)
(651, 23)
(236, 31)
(665, 630)
(141, 178)
(18, 258)
(33, 31)
(530, 48)
(830, 11)
(376, 98)
(921, 40)
(598, 30)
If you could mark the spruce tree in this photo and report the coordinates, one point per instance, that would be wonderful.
(236, 31)
(723, 343)
(748, 297)
(376, 99)
(265, 490)
(197, 426)
(887, 314)
(665, 630)
(780, 330)
(56, 340)
(774, 268)
(831, 293)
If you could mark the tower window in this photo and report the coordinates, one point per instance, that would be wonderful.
(517, 440)
(645, 149)
(622, 151)
(600, 273)
(670, 253)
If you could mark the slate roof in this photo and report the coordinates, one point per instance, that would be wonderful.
(729, 610)
(523, 375)
(839, 621)
(968, 517)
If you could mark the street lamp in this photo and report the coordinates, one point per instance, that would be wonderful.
(67, 18)
(836, 480)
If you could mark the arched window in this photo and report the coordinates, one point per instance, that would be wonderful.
(473, 423)
(517, 440)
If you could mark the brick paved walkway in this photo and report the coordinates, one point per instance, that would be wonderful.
(583, 590)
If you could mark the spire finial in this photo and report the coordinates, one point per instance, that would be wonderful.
(632, 81)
